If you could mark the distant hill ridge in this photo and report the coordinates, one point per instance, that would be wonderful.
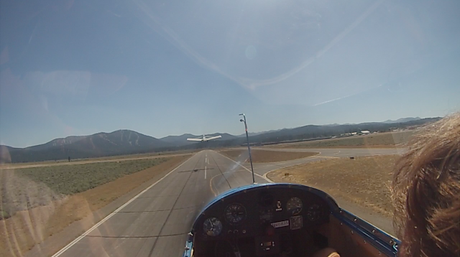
(402, 120)
(123, 142)
(96, 145)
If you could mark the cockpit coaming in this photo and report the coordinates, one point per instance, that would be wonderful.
(281, 220)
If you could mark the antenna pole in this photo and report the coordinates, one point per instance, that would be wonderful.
(249, 148)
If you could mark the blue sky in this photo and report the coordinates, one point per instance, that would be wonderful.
(172, 67)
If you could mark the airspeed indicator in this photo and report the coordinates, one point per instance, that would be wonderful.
(294, 206)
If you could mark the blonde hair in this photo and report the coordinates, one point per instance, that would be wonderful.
(426, 191)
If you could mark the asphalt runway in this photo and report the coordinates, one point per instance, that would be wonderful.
(156, 222)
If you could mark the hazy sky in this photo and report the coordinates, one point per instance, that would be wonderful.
(174, 67)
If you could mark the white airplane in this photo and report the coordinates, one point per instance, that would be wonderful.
(203, 138)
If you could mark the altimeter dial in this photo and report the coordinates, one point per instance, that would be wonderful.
(235, 213)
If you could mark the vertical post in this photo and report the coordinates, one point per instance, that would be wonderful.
(249, 148)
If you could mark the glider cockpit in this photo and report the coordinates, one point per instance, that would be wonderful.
(282, 220)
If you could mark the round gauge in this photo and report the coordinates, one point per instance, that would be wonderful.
(266, 216)
(235, 213)
(296, 222)
(294, 205)
(314, 212)
(212, 226)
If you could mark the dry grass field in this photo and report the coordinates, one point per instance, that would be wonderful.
(26, 188)
(390, 139)
(106, 159)
(260, 156)
(25, 228)
(363, 181)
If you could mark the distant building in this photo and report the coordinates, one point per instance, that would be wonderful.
(365, 132)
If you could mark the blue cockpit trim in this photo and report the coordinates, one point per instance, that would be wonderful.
(385, 243)
(331, 202)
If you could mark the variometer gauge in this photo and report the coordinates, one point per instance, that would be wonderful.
(266, 216)
(212, 226)
(314, 212)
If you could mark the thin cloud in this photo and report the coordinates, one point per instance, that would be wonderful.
(32, 35)
(310, 60)
(114, 14)
(155, 23)
(347, 96)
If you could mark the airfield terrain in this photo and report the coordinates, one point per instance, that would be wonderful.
(374, 140)
(150, 211)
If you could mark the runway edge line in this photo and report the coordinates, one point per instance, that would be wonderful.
(76, 240)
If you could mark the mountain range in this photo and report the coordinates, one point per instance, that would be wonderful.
(123, 142)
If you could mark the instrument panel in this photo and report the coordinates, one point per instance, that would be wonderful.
(260, 211)
(279, 220)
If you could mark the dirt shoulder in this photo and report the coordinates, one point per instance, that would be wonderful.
(74, 213)
(263, 156)
(364, 181)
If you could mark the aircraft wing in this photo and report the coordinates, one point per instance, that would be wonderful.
(211, 138)
(195, 139)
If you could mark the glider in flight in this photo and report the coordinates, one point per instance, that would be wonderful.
(204, 138)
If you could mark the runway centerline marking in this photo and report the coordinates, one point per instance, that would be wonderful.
(204, 172)
(76, 240)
